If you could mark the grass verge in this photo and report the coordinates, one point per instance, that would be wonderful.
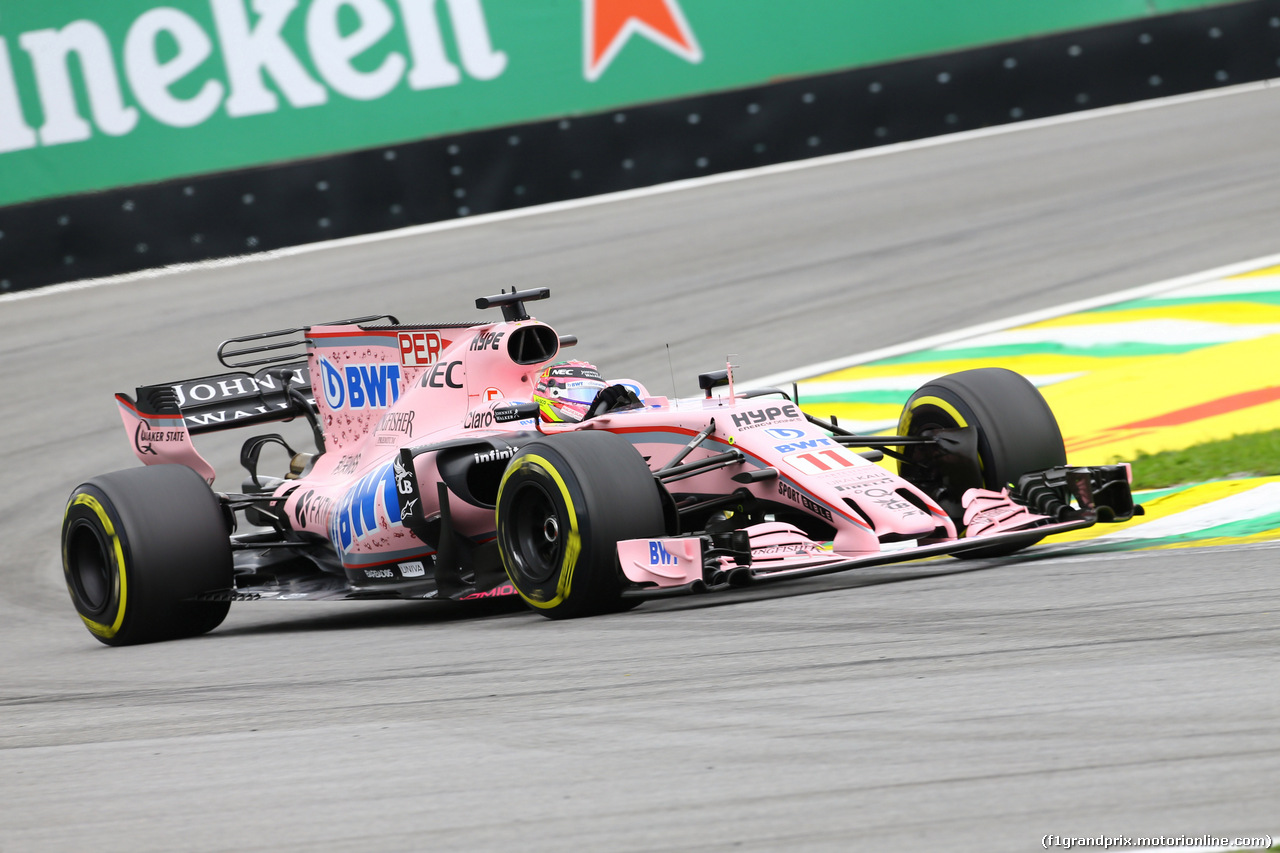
(1254, 454)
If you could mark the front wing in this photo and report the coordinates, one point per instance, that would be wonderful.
(718, 578)
(1042, 504)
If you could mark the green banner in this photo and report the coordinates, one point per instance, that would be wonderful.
(100, 94)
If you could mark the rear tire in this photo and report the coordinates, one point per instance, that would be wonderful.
(564, 503)
(137, 545)
(1016, 431)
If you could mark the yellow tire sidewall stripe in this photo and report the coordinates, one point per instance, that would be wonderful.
(94, 506)
(905, 422)
(573, 545)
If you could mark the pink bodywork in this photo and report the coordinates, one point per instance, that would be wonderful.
(450, 380)
(987, 512)
(161, 439)
(380, 389)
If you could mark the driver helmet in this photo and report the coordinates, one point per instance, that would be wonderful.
(565, 390)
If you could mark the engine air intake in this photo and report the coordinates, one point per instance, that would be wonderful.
(533, 344)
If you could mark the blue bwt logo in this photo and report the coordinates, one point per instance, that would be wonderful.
(659, 556)
(361, 386)
(357, 514)
(807, 444)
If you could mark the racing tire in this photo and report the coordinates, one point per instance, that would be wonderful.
(137, 546)
(1017, 434)
(563, 504)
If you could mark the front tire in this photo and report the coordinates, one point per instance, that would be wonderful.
(563, 504)
(137, 545)
(1017, 434)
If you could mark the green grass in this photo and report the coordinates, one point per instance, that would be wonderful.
(1254, 454)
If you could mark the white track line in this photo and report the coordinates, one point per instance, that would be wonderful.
(1141, 292)
(1254, 502)
(645, 192)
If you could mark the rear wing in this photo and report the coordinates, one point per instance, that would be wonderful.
(280, 390)
(162, 418)
(231, 400)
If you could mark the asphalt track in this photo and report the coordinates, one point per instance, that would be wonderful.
(977, 706)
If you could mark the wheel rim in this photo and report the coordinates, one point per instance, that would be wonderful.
(923, 465)
(89, 565)
(924, 419)
(536, 538)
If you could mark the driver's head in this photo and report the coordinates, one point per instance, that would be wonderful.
(565, 390)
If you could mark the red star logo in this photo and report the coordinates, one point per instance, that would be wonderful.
(610, 23)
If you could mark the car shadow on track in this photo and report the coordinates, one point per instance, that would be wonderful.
(292, 618)
(273, 619)
(855, 579)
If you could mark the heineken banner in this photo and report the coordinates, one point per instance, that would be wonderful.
(97, 94)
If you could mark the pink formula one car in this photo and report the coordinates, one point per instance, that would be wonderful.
(471, 461)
